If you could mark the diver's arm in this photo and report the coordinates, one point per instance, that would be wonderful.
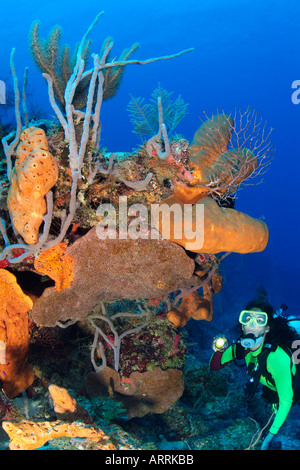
(220, 359)
(279, 366)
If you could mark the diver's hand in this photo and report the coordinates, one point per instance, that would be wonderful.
(267, 441)
(240, 351)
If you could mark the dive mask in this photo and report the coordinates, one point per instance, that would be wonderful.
(248, 316)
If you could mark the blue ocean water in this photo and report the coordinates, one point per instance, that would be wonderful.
(245, 53)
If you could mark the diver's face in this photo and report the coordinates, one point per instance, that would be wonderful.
(255, 324)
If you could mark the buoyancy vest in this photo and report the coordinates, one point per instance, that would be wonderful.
(260, 370)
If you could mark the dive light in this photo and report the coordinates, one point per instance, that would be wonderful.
(219, 343)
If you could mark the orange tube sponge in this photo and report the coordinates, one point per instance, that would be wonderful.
(34, 174)
(224, 229)
(16, 374)
(57, 264)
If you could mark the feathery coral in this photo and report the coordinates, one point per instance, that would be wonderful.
(144, 117)
(52, 59)
(113, 75)
(56, 61)
(34, 174)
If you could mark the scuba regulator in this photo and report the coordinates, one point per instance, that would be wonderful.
(250, 340)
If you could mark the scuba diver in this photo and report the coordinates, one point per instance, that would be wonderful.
(265, 345)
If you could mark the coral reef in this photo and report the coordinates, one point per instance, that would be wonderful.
(154, 343)
(219, 170)
(149, 377)
(153, 391)
(193, 305)
(211, 413)
(86, 258)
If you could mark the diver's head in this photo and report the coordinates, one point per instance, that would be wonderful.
(255, 326)
(276, 331)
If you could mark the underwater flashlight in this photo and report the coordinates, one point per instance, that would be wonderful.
(219, 343)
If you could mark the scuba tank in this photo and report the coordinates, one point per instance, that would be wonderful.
(281, 312)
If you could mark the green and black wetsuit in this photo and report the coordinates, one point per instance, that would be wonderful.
(280, 372)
